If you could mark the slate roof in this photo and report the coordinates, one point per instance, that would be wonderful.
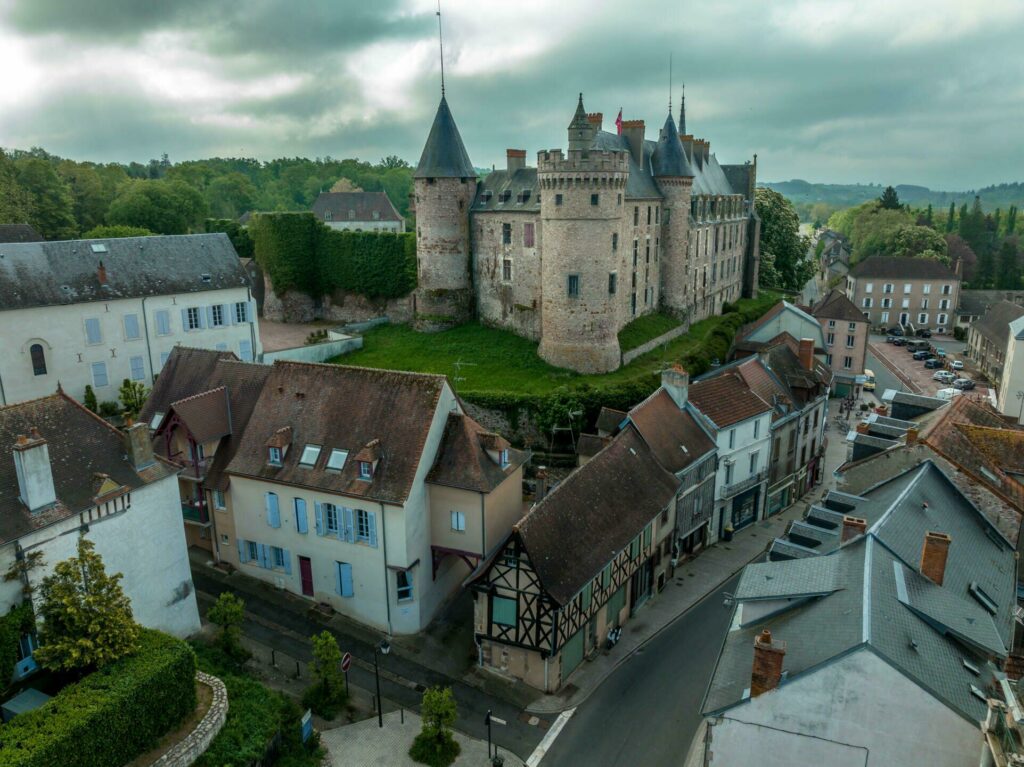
(725, 399)
(521, 185)
(19, 233)
(669, 160)
(444, 155)
(80, 444)
(674, 436)
(977, 302)
(595, 512)
(590, 445)
(640, 185)
(355, 206)
(868, 594)
(995, 323)
(738, 177)
(608, 419)
(836, 306)
(462, 459)
(337, 406)
(891, 267)
(65, 272)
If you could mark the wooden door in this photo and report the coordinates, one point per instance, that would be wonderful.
(306, 573)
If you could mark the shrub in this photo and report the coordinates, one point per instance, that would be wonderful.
(435, 745)
(229, 612)
(326, 695)
(20, 620)
(90, 399)
(112, 715)
(109, 409)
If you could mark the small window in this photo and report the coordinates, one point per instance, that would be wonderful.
(595, 199)
(241, 312)
(615, 241)
(93, 334)
(274, 456)
(98, 247)
(331, 518)
(192, 317)
(337, 459)
(757, 429)
(983, 599)
(254, 551)
(218, 499)
(506, 234)
(504, 457)
(365, 470)
(558, 199)
(362, 526)
(217, 315)
(528, 235)
(613, 283)
(155, 423)
(403, 585)
(138, 368)
(163, 323)
(971, 667)
(506, 269)
(753, 462)
(573, 286)
(459, 521)
(328, 215)
(38, 359)
(310, 453)
(503, 611)
(277, 556)
(636, 215)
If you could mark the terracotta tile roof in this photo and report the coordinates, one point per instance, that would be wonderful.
(186, 373)
(338, 406)
(281, 438)
(81, 446)
(836, 306)
(595, 513)
(591, 444)
(207, 415)
(462, 460)
(1003, 447)
(673, 435)
(764, 385)
(725, 399)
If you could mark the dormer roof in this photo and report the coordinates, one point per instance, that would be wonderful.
(281, 438)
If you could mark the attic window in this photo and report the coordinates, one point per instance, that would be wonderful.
(376, 215)
(98, 247)
(204, 277)
(486, 196)
(505, 196)
(523, 196)
(310, 453)
(983, 599)
(503, 457)
(157, 418)
(337, 459)
(274, 456)
(978, 694)
(328, 215)
(971, 667)
(365, 470)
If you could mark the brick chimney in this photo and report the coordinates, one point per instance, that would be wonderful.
(633, 131)
(863, 427)
(933, 556)
(853, 527)
(32, 466)
(676, 382)
(515, 159)
(542, 484)
(911, 436)
(596, 119)
(806, 353)
(138, 446)
(767, 670)
(101, 273)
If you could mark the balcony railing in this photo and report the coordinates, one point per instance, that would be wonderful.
(195, 512)
(745, 484)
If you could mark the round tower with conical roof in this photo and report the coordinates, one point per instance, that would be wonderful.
(675, 180)
(444, 185)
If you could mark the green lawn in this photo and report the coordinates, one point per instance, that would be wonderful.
(644, 329)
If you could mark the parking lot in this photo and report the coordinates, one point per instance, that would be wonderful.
(897, 368)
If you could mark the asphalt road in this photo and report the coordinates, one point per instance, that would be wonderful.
(648, 710)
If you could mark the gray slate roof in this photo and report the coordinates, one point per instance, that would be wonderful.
(521, 185)
(19, 233)
(895, 268)
(875, 599)
(66, 272)
(444, 155)
(355, 206)
(640, 185)
(995, 324)
(669, 159)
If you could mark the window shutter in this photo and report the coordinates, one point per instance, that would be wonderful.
(287, 561)
(347, 589)
(184, 320)
(273, 510)
(301, 523)
(209, 316)
(264, 553)
(372, 520)
(318, 512)
(245, 350)
(243, 551)
(347, 532)
(225, 313)
(337, 579)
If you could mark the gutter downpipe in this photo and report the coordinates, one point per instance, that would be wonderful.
(257, 353)
(384, 543)
(149, 349)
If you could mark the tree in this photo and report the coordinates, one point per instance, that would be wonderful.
(113, 232)
(52, 203)
(90, 399)
(985, 272)
(889, 199)
(960, 252)
(15, 202)
(929, 216)
(973, 228)
(1011, 220)
(230, 195)
(435, 745)
(238, 234)
(164, 207)
(915, 241)
(228, 612)
(21, 570)
(788, 251)
(951, 220)
(1008, 277)
(86, 616)
(327, 694)
(133, 396)
(392, 161)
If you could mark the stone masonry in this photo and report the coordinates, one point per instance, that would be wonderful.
(185, 752)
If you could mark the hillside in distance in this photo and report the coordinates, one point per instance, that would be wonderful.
(801, 192)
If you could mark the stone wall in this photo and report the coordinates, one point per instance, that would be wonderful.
(341, 306)
(512, 304)
(523, 432)
(321, 352)
(184, 753)
(654, 343)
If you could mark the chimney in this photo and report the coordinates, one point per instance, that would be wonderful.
(767, 671)
(806, 353)
(863, 427)
(911, 436)
(542, 484)
(101, 273)
(853, 527)
(32, 465)
(138, 446)
(676, 382)
(515, 159)
(933, 556)
(633, 130)
(596, 119)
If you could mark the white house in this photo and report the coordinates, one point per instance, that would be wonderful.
(67, 473)
(358, 211)
(95, 312)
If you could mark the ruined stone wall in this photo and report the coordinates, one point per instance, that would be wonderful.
(514, 303)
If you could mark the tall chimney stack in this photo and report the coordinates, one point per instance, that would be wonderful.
(515, 159)
(676, 382)
(852, 527)
(768, 657)
(542, 484)
(933, 556)
(138, 446)
(32, 466)
(806, 353)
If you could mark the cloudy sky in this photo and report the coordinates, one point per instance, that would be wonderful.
(889, 91)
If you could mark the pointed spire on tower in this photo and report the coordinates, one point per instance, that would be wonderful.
(581, 132)
(444, 155)
(668, 159)
(580, 118)
(682, 112)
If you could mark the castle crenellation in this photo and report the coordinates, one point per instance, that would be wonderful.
(570, 251)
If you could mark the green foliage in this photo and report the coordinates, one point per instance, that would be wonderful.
(86, 616)
(237, 233)
(435, 745)
(645, 328)
(327, 694)
(285, 246)
(784, 252)
(90, 399)
(889, 199)
(51, 201)
(112, 715)
(917, 241)
(228, 612)
(951, 218)
(107, 232)
(19, 620)
(164, 207)
(15, 202)
(974, 230)
(109, 409)
(1009, 272)
(133, 396)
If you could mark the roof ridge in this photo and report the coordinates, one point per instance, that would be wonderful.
(13, 405)
(360, 368)
(61, 393)
(222, 387)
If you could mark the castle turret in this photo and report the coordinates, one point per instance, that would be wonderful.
(581, 213)
(675, 179)
(444, 184)
(581, 129)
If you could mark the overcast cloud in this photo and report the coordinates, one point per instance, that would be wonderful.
(900, 91)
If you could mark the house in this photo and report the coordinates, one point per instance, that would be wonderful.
(784, 317)
(358, 211)
(988, 339)
(1011, 384)
(974, 304)
(70, 474)
(367, 490)
(19, 233)
(912, 292)
(846, 340)
(884, 634)
(97, 312)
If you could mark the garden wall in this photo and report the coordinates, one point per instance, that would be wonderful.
(185, 752)
(654, 343)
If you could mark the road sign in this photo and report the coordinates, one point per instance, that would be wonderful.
(496, 720)
(307, 725)
(346, 661)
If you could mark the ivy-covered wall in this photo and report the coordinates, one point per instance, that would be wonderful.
(299, 253)
(20, 620)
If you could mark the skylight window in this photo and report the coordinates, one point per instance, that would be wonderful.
(971, 667)
(979, 694)
(98, 247)
(309, 455)
(983, 599)
(157, 418)
(337, 459)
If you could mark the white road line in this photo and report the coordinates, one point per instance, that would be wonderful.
(549, 738)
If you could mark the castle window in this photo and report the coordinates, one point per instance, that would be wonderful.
(620, 199)
(657, 214)
(573, 286)
(615, 241)
(558, 199)
(506, 234)
(636, 250)
(327, 215)
(633, 304)
(636, 215)
(595, 199)
(38, 359)
(648, 215)
(613, 283)
(648, 252)
(506, 269)
(528, 235)
(505, 196)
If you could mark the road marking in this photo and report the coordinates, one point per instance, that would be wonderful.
(549, 738)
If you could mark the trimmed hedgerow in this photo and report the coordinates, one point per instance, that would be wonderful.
(18, 621)
(112, 715)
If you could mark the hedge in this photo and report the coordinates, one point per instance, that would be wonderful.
(18, 621)
(300, 253)
(111, 716)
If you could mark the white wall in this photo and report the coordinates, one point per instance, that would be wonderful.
(857, 710)
(61, 331)
(1013, 379)
(744, 446)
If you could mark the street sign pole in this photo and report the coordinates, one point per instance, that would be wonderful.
(346, 664)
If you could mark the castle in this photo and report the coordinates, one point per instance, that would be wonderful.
(569, 252)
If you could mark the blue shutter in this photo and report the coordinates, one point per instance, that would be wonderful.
(346, 531)
(209, 316)
(301, 523)
(273, 510)
(372, 520)
(337, 578)
(318, 511)
(287, 561)
(243, 551)
(163, 322)
(264, 556)
(225, 314)
(184, 320)
(138, 367)
(345, 572)
(245, 350)
(99, 374)
(131, 326)
(250, 310)
(92, 331)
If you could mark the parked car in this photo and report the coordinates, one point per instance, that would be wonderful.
(923, 333)
(933, 363)
(964, 384)
(957, 365)
(890, 339)
(923, 354)
(916, 346)
(898, 341)
(940, 352)
(896, 331)
(944, 376)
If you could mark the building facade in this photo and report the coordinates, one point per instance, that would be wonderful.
(1011, 384)
(630, 226)
(913, 292)
(846, 341)
(95, 312)
(989, 339)
(358, 211)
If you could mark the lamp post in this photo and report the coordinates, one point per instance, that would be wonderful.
(383, 649)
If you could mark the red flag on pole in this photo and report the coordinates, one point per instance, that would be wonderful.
(618, 122)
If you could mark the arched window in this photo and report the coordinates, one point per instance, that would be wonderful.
(38, 359)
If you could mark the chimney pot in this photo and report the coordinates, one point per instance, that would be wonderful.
(676, 381)
(767, 671)
(542, 484)
(933, 556)
(139, 446)
(911, 436)
(515, 159)
(101, 273)
(32, 467)
(863, 428)
(806, 353)
(853, 527)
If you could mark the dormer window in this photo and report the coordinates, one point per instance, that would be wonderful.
(155, 423)
(328, 215)
(274, 456)
(337, 459)
(504, 457)
(365, 470)
(310, 454)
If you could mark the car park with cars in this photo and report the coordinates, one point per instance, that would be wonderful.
(933, 363)
(957, 365)
(944, 376)
(923, 333)
(896, 331)
(964, 384)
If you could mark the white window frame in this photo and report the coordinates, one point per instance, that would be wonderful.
(274, 456)
(194, 316)
(404, 593)
(217, 318)
(361, 523)
(458, 520)
(365, 470)
(888, 287)
(241, 312)
(331, 513)
(868, 287)
(907, 287)
(926, 288)
(218, 500)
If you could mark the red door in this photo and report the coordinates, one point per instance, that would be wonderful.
(306, 573)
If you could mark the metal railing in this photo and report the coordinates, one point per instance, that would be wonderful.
(738, 487)
(194, 512)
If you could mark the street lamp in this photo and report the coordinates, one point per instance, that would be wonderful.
(383, 648)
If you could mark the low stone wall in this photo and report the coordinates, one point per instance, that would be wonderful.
(191, 748)
(316, 352)
(654, 343)
(341, 307)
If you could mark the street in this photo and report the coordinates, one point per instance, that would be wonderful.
(648, 710)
